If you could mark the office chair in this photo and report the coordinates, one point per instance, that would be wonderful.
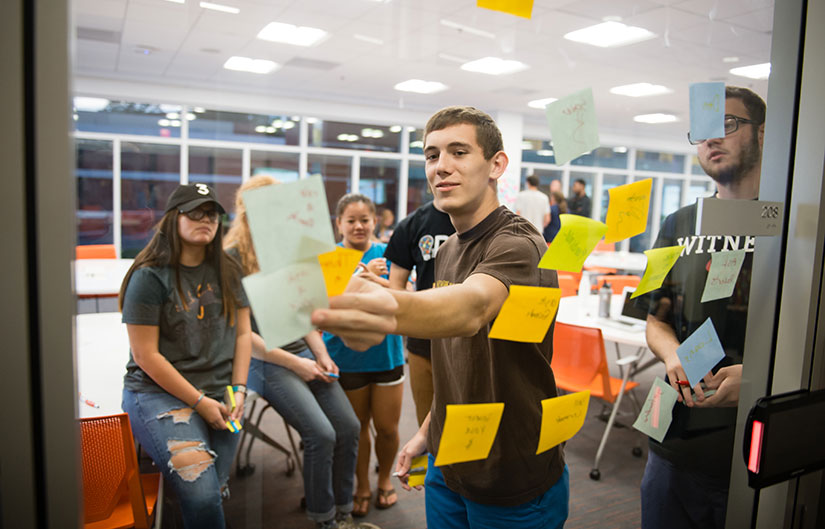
(95, 251)
(568, 284)
(252, 430)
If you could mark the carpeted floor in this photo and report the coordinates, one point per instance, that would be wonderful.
(269, 499)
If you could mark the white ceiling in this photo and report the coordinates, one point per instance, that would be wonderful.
(188, 45)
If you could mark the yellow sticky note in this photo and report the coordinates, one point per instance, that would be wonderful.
(575, 240)
(561, 419)
(414, 480)
(521, 8)
(469, 432)
(627, 210)
(659, 263)
(526, 314)
(419, 462)
(337, 267)
(418, 471)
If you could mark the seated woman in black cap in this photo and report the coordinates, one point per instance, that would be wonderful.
(189, 335)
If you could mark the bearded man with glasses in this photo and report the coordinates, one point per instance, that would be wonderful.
(685, 484)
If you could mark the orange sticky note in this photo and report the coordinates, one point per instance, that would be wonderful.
(469, 432)
(337, 267)
(627, 210)
(520, 8)
(561, 419)
(526, 314)
(575, 240)
(659, 263)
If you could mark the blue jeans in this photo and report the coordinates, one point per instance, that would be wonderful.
(166, 427)
(447, 509)
(681, 499)
(329, 429)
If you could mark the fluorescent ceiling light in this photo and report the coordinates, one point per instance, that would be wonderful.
(620, 150)
(494, 66)
(177, 1)
(289, 125)
(610, 34)
(245, 64)
(220, 7)
(655, 118)
(541, 103)
(640, 90)
(371, 40)
(291, 34)
(372, 133)
(754, 71)
(90, 104)
(420, 87)
(467, 29)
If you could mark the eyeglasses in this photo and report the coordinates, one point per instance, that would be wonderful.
(731, 125)
(198, 214)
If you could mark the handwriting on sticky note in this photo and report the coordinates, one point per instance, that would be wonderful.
(659, 263)
(521, 8)
(285, 317)
(575, 240)
(526, 314)
(289, 222)
(469, 432)
(561, 419)
(627, 210)
(724, 270)
(657, 411)
(700, 352)
(707, 110)
(572, 122)
(338, 267)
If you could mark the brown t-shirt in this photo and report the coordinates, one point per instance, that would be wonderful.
(479, 369)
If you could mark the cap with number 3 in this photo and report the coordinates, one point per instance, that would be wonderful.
(188, 197)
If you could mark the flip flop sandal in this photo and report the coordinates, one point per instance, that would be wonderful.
(358, 502)
(385, 495)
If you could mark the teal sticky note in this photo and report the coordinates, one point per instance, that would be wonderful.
(724, 271)
(283, 300)
(289, 222)
(707, 111)
(572, 122)
(657, 411)
(700, 352)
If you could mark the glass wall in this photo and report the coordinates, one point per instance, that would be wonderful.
(609, 181)
(283, 166)
(94, 192)
(379, 181)
(219, 168)
(336, 172)
(418, 191)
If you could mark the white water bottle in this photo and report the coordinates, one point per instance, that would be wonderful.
(605, 294)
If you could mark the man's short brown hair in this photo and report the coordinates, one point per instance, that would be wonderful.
(754, 104)
(488, 136)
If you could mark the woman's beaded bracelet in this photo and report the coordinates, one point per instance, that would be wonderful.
(195, 405)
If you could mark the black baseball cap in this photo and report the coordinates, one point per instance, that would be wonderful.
(188, 197)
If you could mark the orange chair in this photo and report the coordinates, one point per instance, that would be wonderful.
(617, 283)
(602, 246)
(115, 494)
(568, 284)
(580, 363)
(95, 251)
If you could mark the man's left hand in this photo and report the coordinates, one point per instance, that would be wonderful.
(726, 382)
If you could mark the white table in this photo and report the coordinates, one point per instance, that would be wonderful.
(102, 353)
(628, 261)
(99, 277)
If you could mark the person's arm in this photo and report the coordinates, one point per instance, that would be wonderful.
(143, 340)
(365, 313)
(319, 349)
(398, 277)
(661, 339)
(243, 354)
(413, 448)
(303, 367)
(546, 219)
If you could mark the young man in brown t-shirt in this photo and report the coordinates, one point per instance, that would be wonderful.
(492, 249)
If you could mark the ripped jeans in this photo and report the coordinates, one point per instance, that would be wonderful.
(194, 458)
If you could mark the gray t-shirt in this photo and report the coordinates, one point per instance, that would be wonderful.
(198, 341)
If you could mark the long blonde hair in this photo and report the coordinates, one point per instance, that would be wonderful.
(238, 236)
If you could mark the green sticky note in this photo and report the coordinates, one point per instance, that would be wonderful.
(283, 300)
(724, 270)
(576, 239)
(657, 411)
(659, 263)
(289, 222)
(572, 122)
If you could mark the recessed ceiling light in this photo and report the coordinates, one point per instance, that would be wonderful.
(245, 64)
(467, 29)
(289, 125)
(420, 87)
(620, 150)
(172, 115)
(163, 122)
(655, 118)
(292, 34)
(410, 128)
(90, 104)
(754, 71)
(199, 110)
(494, 66)
(220, 7)
(190, 116)
(640, 90)
(526, 145)
(177, 1)
(541, 104)
(395, 129)
(175, 123)
(278, 123)
(544, 152)
(371, 40)
(417, 144)
(610, 34)
(730, 59)
(312, 120)
(260, 128)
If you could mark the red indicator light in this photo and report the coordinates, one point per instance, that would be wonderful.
(756, 447)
